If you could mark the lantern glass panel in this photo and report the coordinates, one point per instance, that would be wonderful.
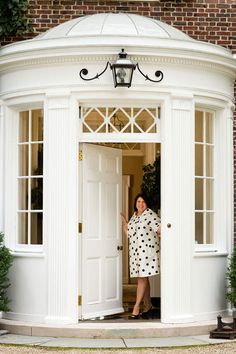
(123, 76)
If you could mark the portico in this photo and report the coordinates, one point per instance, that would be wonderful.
(49, 115)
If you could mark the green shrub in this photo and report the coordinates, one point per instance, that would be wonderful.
(231, 276)
(6, 260)
(14, 17)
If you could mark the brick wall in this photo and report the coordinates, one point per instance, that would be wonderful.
(211, 21)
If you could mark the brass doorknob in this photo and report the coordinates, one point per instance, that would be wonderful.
(119, 248)
(168, 225)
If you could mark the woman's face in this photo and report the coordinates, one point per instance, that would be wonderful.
(141, 205)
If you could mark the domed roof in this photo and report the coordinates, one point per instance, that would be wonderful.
(106, 33)
(113, 24)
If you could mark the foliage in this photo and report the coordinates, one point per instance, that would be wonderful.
(151, 184)
(14, 17)
(6, 260)
(231, 276)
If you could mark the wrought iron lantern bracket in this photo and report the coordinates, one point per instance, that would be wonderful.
(122, 71)
(84, 72)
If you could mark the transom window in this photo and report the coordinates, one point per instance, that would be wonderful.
(96, 122)
(30, 178)
(204, 177)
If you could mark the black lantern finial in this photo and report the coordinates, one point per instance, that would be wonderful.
(122, 70)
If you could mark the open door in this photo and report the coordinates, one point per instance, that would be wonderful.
(102, 236)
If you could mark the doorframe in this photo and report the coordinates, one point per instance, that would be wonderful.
(162, 103)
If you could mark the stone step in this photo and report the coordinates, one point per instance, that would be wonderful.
(110, 329)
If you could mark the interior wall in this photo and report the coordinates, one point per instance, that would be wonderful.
(133, 166)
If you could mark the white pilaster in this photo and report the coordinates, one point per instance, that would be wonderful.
(229, 177)
(1, 168)
(60, 206)
(177, 209)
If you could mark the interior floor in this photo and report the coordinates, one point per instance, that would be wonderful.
(129, 295)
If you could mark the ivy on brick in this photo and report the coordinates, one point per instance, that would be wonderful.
(14, 17)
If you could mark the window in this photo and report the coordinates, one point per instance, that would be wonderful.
(30, 178)
(115, 120)
(204, 177)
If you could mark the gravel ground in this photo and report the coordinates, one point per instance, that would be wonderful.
(228, 348)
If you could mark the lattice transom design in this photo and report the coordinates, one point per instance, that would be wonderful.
(120, 119)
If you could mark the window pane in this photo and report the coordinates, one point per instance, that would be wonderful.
(198, 194)
(199, 228)
(117, 121)
(199, 126)
(23, 160)
(198, 160)
(209, 161)
(36, 159)
(145, 120)
(209, 194)
(24, 127)
(23, 228)
(23, 194)
(93, 119)
(36, 228)
(209, 228)
(209, 128)
(37, 125)
(36, 193)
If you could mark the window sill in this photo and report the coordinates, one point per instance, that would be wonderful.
(28, 253)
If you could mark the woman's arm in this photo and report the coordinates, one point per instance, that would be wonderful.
(124, 223)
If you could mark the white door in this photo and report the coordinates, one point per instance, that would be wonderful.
(102, 236)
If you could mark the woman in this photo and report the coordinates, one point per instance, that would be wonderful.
(143, 231)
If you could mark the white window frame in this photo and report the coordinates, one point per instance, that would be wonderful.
(206, 247)
(11, 192)
(29, 178)
(223, 204)
(121, 136)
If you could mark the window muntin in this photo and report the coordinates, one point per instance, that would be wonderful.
(204, 177)
(30, 178)
(120, 119)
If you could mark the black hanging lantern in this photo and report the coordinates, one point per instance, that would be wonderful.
(122, 71)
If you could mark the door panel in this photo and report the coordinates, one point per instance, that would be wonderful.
(102, 262)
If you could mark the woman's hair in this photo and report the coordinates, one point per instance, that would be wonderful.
(140, 195)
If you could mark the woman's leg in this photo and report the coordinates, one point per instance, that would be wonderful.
(147, 297)
(142, 284)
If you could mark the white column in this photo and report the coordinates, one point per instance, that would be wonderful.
(1, 168)
(229, 156)
(60, 207)
(177, 209)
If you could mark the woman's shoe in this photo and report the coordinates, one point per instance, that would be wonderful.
(134, 317)
(147, 314)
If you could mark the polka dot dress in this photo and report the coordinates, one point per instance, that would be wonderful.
(144, 244)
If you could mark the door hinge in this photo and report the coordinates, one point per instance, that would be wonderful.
(79, 300)
(80, 226)
(80, 155)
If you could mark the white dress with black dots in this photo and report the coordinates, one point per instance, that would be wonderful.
(144, 244)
